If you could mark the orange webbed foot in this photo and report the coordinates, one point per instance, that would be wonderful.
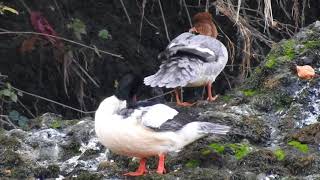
(210, 98)
(185, 104)
(140, 171)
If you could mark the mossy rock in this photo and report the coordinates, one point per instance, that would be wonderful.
(9, 142)
(10, 159)
(52, 171)
(86, 175)
(309, 134)
(71, 150)
(299, 165)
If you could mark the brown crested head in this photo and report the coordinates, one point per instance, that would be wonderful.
(202, 16)
(203, 24)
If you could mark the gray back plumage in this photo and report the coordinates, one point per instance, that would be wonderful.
(204, 46)
(187, 59)
(178, 71)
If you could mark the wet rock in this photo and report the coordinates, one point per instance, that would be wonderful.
(309, 134)
(300, 165)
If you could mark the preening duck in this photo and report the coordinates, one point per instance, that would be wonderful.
(152, 130)
(190, 61)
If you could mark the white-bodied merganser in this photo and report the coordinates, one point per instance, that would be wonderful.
(146, 131)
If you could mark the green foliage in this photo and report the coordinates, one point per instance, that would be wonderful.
(78, 27)
(298, 145)
(4, 8)
(104, 34)
(10, 93)
(217, 148)
(240, 150)
(192, 163)
(249, 92)
(21, 120)
(280, 154)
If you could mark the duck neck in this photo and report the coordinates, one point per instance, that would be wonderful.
(109, 107)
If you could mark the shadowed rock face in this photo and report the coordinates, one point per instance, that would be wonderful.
(275, 131)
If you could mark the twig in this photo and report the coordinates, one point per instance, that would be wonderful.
(25, 6)
(144, 2)
(28, 110)
(151, 24)
(86, 73)
(7, 120)
(187, 11)
(52, 101)
(125, 11)
(61, 38)
(154, 97)
(207, 6)
(238, 10)
(164, 21)
(225, 75)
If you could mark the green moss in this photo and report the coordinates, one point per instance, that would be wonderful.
(240, 150)
(226, 98)
(271, 61)
(206, 152)
(286, 52)
(217, 148)
(312, 44)
(192, 163)
(59, 123)
(249, 92)
(298, 145)
(288, 49)
(56, 124)
(280, 154)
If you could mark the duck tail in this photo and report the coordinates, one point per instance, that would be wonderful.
(174, 73)
(197, 130)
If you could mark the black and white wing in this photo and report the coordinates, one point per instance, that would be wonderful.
(206, 47)
(154, 116)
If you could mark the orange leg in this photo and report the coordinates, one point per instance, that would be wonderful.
(209, 89)
(179, 102)
(161, 169)
(141, 169)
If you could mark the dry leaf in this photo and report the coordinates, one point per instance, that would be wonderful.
(305, 72)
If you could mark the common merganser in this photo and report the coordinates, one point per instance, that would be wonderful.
(152, 130)
(190, 61)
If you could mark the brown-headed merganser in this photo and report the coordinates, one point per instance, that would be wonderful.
(191, 60)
